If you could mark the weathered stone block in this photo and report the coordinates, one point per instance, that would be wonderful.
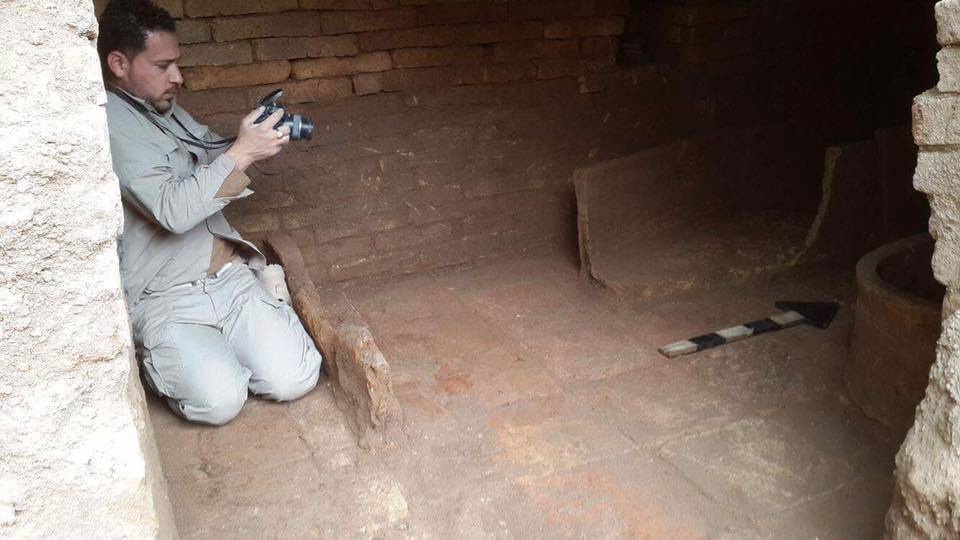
(948, 64)
(367, 84)
(361, 378)
(938, 171)
(944, 213)
(948, 22)
(935, 117)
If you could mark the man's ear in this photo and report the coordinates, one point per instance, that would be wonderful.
(118, 63)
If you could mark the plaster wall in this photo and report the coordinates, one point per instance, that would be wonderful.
(77, 458)
(927, 490)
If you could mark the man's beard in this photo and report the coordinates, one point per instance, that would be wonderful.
(163, 105)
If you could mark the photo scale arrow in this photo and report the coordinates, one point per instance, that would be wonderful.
(816, 314)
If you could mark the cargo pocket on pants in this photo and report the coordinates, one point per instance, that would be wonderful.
(155, 364)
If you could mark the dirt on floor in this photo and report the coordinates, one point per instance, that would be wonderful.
(538, 407)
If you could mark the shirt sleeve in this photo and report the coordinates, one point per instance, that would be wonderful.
(149, 180)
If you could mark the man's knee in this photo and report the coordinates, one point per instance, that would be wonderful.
(293, 383)
(216, 404)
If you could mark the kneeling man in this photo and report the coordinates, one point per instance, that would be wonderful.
(206, 329)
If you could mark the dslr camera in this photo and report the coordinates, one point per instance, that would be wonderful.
(301, 127)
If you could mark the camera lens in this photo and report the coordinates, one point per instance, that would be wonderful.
(306, 127)
(300, 127)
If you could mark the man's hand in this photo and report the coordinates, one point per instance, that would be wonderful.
(258, 141)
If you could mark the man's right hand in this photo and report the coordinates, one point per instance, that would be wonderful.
(258, 141)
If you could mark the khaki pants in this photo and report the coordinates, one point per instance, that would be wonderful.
(204, 344)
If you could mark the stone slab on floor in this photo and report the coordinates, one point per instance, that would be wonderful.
(684, 216)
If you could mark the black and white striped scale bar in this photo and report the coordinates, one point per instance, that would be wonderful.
(818, 314)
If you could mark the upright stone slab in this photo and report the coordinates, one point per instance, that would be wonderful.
(848, 220)
(361, 377)
(77, 457)
(684, 215)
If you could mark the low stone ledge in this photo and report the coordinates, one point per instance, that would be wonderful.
(361, 377)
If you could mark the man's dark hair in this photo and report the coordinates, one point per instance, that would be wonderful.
(124, 25)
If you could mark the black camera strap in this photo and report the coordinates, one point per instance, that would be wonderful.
(192, 141)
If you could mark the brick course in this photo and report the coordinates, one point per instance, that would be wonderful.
(216, 54)
(595, 26)
(208, 8)
(308, 47)
(330, 67)
(193, 31)
(436, 14)
(261, 26)
(201, 78)
(344, 22)
(348, 4)
(437, 56)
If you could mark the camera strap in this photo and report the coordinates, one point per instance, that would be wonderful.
(192, 141)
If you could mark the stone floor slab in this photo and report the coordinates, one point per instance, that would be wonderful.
(758, 467)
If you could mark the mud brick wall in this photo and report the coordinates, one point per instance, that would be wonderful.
(325, 50)
(445, 128)
(448, 130)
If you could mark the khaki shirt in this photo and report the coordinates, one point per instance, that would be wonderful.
(172, 220)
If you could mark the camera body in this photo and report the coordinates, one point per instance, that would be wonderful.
(301, 127)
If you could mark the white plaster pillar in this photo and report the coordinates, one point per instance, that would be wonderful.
(77, 457)
(926, 499)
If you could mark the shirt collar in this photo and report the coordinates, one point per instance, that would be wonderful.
(146, 105)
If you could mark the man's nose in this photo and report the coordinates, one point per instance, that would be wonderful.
(175, 76)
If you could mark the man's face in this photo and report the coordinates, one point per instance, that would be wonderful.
(153, 75)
